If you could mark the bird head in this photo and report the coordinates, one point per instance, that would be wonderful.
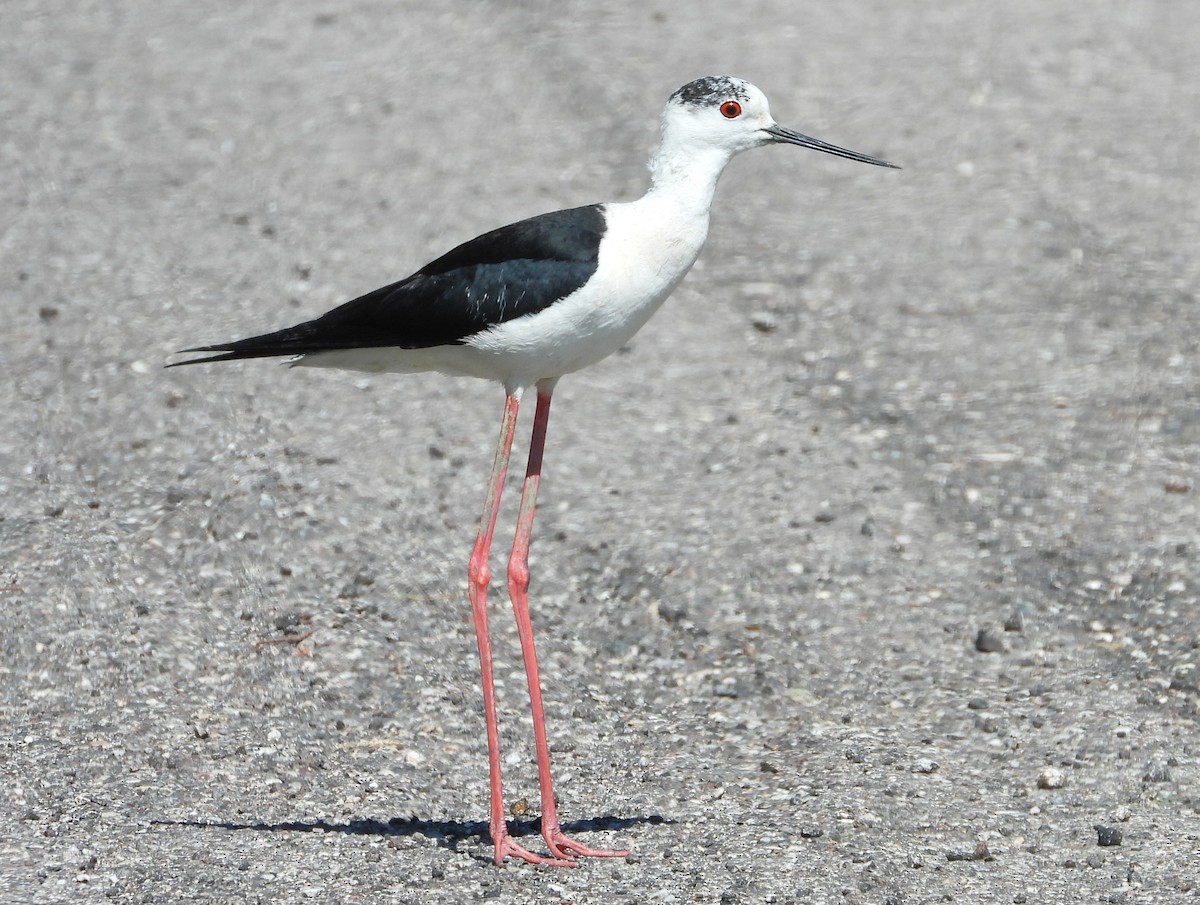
(729, 115)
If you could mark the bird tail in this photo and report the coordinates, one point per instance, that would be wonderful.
(291, 341)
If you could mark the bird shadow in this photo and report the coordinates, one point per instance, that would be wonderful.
(448, 834)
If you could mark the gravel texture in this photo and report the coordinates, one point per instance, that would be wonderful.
(867, 574)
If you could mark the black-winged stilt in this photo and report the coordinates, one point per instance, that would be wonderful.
(525, 304)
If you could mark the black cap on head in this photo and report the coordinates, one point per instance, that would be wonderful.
(710, 89)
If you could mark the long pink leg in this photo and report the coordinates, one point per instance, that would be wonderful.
(478, 576)
(561, 846)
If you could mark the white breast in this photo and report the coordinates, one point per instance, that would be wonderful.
(647, 249)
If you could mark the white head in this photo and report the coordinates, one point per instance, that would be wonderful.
(728, 115)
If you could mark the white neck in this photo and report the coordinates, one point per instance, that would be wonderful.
(685, 173)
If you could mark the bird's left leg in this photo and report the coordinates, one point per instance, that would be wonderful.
(561, 846)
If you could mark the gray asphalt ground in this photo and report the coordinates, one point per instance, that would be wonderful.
(888, 411)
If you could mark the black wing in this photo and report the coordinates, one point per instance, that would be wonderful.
(510, 272)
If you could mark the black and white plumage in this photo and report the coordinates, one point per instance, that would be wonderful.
(510, 272)
(525, 304)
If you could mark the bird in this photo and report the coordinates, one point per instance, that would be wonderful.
(523, 305)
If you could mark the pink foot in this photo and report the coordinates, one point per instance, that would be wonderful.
(563, 850)
(505, 846)
(563, 846)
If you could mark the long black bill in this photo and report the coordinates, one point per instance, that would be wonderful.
(779, 133)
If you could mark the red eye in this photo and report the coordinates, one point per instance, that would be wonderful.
(731, 109)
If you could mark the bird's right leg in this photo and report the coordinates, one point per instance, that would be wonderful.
(478, 576)
(561, 845)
